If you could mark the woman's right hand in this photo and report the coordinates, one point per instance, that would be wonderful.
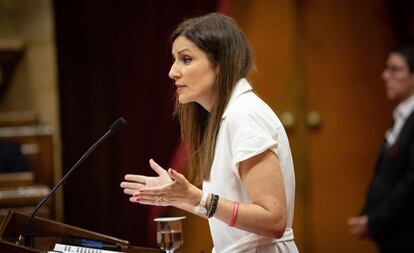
(133, 183)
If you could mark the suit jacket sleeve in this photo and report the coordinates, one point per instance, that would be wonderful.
(398, 206)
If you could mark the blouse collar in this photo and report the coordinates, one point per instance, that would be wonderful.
(240, 88)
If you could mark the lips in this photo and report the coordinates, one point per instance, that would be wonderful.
(179, 87)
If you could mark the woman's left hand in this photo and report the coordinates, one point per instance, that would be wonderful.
(179, 193)
(133, 183)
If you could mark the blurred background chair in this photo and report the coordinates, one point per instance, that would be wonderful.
(26, 163)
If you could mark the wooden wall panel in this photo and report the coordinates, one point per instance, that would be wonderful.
(346, 43)
(324, 56)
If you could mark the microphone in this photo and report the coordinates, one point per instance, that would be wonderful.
(28, 238)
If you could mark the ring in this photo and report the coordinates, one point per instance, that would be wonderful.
(159, 199)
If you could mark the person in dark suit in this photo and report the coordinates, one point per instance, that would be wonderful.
(388, 214)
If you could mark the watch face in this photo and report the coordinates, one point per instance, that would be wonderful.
(201, 210)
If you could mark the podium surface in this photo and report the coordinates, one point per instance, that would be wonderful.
(47, 233)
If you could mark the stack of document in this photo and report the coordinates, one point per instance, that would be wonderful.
(63, 248)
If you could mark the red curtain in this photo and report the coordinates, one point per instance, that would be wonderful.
(113, 60)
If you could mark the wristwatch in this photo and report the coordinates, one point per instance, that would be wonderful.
(201, 209)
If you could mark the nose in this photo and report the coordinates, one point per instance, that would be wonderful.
(174, 73)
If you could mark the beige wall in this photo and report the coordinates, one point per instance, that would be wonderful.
(34, 83)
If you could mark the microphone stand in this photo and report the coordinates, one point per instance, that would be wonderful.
(27, 239)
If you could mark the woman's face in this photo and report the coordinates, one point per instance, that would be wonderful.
(399, 82)
(193, 73)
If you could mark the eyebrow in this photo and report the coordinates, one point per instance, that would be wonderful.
(182, 50)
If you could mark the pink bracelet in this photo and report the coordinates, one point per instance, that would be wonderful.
(234, 215)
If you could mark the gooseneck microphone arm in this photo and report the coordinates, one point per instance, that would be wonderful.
(28, 239)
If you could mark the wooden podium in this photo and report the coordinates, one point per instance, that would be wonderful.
(48, 232)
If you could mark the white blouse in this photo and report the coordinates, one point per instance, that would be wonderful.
(248, 127)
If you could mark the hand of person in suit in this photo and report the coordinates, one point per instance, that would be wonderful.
(359, 226)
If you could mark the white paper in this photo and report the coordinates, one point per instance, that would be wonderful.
(69, 249)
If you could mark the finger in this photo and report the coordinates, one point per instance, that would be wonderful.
(357, 233)
(153, 201)
(349, 221)
(352, 221)
(136, 178)
(130, 191)
(353, 230)
(157, 168)
(147, 193)
(176, 176)
(133, 200)
(131, 185)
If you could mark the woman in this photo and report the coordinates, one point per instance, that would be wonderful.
(237, 147)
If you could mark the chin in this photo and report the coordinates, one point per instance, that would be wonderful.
(391, 95)
(182, 100)
(395, 97)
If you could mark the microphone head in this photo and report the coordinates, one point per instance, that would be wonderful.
(117, 125)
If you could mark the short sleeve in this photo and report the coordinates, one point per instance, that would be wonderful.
(250, 137)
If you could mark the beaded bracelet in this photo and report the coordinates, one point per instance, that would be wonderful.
(213, 205)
